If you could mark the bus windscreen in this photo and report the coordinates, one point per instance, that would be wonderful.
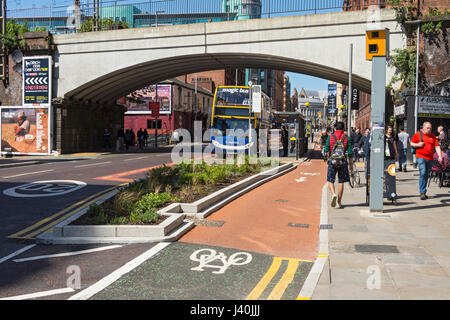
(234, 96)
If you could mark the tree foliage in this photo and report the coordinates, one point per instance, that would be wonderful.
(13, 39)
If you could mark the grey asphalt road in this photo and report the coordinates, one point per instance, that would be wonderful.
(24, 205)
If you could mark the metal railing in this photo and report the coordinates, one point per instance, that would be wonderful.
(157, 12)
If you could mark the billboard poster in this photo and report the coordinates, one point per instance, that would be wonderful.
(138, 101)
(24, 130)
(36, 81)
(332, 89)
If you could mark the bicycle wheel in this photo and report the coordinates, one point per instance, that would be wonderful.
(351, 180)
(357, 178)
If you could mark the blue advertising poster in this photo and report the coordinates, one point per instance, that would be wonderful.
(332, 99)
(36, 81)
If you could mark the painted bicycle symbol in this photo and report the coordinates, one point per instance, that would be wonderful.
(206, 257)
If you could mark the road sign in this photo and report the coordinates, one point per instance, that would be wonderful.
(355, 99)
(37, 78)
(154, 107)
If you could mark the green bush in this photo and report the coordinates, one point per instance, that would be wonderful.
(98, 215)
(119, 220)
(144, 210)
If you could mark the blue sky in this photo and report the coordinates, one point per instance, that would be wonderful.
(300, 81)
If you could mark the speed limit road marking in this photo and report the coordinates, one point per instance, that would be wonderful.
(50, 188)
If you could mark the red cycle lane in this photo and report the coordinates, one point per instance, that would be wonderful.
(280, 218)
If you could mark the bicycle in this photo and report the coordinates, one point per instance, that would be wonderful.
(355, 178)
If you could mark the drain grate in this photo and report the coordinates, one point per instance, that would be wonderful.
(367, 248)
(281, 200)
(326, 226)
(298, 225)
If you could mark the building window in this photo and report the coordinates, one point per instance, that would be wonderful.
(151, 123)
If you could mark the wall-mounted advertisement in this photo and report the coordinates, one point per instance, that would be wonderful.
(24, 131)
(138, 101)
(37, 77)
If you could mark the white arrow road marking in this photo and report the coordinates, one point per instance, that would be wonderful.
(302, 179)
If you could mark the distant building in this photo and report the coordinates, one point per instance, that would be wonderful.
(316, 103)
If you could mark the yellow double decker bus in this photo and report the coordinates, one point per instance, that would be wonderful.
(230, 114)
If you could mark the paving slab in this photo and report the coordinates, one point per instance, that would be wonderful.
(409, 243)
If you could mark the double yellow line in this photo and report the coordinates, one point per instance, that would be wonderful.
(283, 283)
(53, 220)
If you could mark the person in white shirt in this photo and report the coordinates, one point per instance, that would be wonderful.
(402, 147)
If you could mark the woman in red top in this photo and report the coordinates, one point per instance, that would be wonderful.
(424, 154)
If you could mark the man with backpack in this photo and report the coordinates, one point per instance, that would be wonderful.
(340, 149)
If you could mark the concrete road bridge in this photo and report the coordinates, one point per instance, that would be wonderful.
(102, 66)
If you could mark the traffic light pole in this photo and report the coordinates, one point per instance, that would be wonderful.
(377, 145)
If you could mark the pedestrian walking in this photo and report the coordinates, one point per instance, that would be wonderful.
(364, 144)
(402, 147)
(140, 136)
(120, 138)
(390, 144)
(127, 139)
(341, 150)
(133, 137)
(106, 139)
(285, 139)
(145, 137)
(441, 135)
(356, 137)
(424, 143)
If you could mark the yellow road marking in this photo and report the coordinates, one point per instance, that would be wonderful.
(303, 298)
(285, 280)
(262, 284)
(282, 284)
(18, 235)
(63, 217)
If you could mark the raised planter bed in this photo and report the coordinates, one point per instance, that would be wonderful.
(171, 229)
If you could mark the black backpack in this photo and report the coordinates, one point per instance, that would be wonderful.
(338, 158)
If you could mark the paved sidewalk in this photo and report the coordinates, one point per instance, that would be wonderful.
(402, 253)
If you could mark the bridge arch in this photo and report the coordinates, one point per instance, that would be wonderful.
(120, 61)
(121, 82)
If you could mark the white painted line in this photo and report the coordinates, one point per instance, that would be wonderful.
(66, 254)
(313, 277)
(92, 164)
(111, 278)
(16, 253)
(39, 294)
(301, 179)
(136, 158)
(28, 173)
